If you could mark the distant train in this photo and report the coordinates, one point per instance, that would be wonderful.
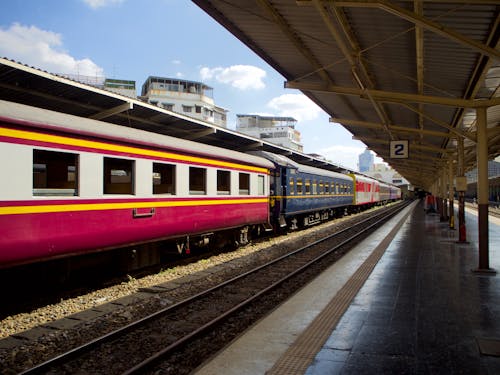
(72, 185)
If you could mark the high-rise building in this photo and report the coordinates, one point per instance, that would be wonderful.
(278, 130)
(366, 161)
(493, 171)
(190, 98)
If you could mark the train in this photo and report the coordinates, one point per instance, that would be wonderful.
(73, 185)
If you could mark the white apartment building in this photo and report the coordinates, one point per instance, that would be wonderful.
(278, 130)
(189, 98)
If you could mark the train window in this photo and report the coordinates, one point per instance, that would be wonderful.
(55, 173)
(261, 184)
(321, 187)
(244, 186)
(299, 186)
(315, 187)
(223, 182)
(163, 178)
(118, 176)
(308, 186)
(337, 189)
(327, 188)
(197, 181)
(292, 186)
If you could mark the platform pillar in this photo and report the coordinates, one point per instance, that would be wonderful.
(482, 189)
(461, 188)
(444, 208)
(450, 194)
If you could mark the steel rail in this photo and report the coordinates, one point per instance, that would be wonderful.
(80, 350)
(160, 354)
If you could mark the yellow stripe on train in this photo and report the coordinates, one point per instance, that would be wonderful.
(56, 139)
(48, 208)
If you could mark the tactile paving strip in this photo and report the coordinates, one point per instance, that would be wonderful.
(301, 353)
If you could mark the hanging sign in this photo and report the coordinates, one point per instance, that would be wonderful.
(399, 149)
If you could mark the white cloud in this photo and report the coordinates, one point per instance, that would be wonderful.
(346, 156)
(179, 75)
(43, 49)
(94, 4)
(176, 62)
(243, 77)
(297, 106)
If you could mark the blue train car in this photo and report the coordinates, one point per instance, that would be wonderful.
(302, 195)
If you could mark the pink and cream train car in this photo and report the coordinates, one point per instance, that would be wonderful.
(389, 193)
(367, 190)
(72, 185)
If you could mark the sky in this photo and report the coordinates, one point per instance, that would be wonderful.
(135, 39)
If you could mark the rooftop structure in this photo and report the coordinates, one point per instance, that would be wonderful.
(194, 99)
(118, 86)
(275, 129)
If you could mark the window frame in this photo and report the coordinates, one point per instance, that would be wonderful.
(193, 185)
(52, 162)
(108, 186)
(227, 175)
(166, 185)
(246, 181)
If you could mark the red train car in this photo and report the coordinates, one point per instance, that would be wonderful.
(72, 185)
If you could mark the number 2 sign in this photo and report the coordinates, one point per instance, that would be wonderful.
(399, 149)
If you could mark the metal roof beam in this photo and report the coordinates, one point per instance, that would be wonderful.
(420, 147)
(113, 111)
(422, 22)
(252, 146)
(391, 96)
(197, 135)
(292, 36)
(465, 2)
(443, 124)
(419, 51)
(349, 50)
(394, 128)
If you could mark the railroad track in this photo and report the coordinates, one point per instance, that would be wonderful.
(492, 211)
(178, 338)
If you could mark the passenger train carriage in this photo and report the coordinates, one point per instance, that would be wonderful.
(302, 195)
(367, 190)
(73, 185)
(76, 185)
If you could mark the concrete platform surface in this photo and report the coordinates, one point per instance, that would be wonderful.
(421, 311)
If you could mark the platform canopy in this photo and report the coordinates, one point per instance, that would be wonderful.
(388, 71)
(27, 85)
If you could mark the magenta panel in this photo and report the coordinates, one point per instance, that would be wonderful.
(28, 237)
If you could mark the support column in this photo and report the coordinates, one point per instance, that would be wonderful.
(444, 194)
(461, 188)
(450, 194)
(439, 200)
(482, 189)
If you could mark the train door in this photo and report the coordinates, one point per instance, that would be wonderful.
(275, 194)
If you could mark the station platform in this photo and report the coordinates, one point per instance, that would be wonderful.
(404, 301)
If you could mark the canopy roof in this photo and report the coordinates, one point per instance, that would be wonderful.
(27, 85)
(385, 70)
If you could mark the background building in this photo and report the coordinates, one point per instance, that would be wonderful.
(278, 130)
(121, 86)
(493, 171)
(383, 172)
(366, 161)
(189, 98)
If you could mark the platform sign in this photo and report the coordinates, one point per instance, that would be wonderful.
(399, 149)
(461, 183)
